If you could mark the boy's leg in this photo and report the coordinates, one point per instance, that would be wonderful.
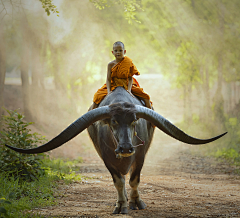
(93, 106)
(147, 103)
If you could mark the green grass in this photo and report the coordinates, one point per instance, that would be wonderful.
(17, 198)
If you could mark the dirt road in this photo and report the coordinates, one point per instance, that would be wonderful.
(179, 186)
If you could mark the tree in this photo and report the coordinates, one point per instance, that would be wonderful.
(2, 67)
(16, 8)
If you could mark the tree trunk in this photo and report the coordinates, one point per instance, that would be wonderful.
(24, 71)
(201, 95)
(218, 98)
(235, 94)
(207, 95)
(205, 110)
(189, 104)
(185, 103)
(58, 71)
(37, 89)
(187, 89)
(2, 68)
(25, 84)
(238, 92)
(200, 101)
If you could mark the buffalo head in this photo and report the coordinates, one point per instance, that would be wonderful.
(122, 124)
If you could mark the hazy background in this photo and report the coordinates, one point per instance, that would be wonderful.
(187, 52)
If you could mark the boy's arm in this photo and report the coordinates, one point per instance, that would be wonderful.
(108, 82)
(130, 82)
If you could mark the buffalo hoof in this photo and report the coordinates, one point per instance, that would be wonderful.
(116, 210)
(132, 206)
(138, 203)
(141, 205)
(123, 210)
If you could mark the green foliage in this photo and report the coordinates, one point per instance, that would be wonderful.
(227, 148)
(7, 206)
(17, 197)
(233, 126)
(3, 210)
(61, 165)
(130, 7)
(63, 170)
(195, 118)
(16, 133)
(188, 68)
(230, 154)
(49, 7)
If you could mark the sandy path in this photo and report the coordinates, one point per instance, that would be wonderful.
(183, 186)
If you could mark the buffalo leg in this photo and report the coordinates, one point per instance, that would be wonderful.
(119, 183)
(135, 200)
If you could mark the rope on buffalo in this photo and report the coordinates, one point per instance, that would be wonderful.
(135, 134)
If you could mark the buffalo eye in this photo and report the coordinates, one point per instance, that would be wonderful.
(134, 122)
(114, 122)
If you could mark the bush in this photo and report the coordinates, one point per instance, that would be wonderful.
(7, 206)
(28, 181)
(16, 133)
(17, 198)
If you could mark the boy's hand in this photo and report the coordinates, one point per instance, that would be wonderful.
(130, 93)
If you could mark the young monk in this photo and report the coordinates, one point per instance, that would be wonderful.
(119, 73)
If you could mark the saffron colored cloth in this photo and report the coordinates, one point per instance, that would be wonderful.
(119, 77)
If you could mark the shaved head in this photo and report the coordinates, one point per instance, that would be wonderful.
(118, 43)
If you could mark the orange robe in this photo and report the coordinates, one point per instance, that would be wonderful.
(119, 77)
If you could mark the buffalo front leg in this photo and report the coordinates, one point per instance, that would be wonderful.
(119, 183)
(135, 200)
(121, 204)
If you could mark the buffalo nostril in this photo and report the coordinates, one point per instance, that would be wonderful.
(119, 150)
(131, 150)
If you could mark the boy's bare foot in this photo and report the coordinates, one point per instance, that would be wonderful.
(93, 106)
(147, 103)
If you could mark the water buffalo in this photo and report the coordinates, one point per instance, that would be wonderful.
(121, 129)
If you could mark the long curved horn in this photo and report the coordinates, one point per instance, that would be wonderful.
(70, 132)
(167, 127)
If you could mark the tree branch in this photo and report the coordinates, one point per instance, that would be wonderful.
(4, 8)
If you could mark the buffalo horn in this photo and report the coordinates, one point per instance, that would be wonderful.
(167, 127)
(70, 132)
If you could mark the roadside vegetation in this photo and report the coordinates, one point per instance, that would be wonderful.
(28, 181)
(225, 149)
(230, 149)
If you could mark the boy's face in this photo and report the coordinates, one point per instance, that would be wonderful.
(118, 52)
